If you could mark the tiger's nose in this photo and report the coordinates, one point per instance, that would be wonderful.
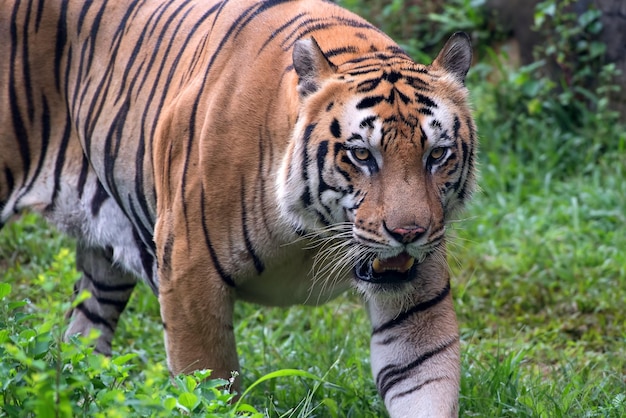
(406, 234)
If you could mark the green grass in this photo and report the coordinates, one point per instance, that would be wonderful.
(539, 281)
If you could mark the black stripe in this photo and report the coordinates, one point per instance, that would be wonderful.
(10, 181)
(147, 261)
(417, 387)
(93, 34)
(322, 24)
(306, 197)
(82, 177)
(392, 76)
(8, 175)
(162, 10)
(226, 278)
(280, 29)
(65, 138)
(426, 101)
(26, 82)
(98, 199)
(140, 192)
(45, 141)
(104, 287)
(369, 102)
(61, 40)
(420, 307)
(264, 138)
(455, 168)
(158, 49)
(396, 50)
(342, 50)
(266, 5)
(87, 52)
(335, 128)
(336, 150)
(322, 186)
(405, 99)
(146, 234)
(117, 39)
(94, 318)
(112, 145)
(40, 9)
(436, 124)
(258, 264)
(17, 121)
(226, 37)
(118, 304)
(457, 127)
(288, 42)
(95, 109)
(468, 160)
(82, 15)
(423, 137)
(417, 83)
(364, 71)
(466, 152)
(368, 85)
(368, 122)
(393, 374)
(123, 23)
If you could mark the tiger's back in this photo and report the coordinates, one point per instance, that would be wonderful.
(213, 149)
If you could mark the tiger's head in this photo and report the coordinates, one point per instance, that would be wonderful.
(381, 157)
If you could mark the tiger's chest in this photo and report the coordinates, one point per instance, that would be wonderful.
(296, 277)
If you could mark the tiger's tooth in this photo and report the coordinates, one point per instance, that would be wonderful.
(376, 266)
(409, 264)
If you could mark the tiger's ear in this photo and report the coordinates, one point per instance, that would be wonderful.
(456, 56)
(311, 65)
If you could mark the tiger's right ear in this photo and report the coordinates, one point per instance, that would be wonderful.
(456, 56)
(311, 65)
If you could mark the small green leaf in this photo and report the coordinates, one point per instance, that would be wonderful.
(170, 403)
(17, 304)
(123, 359)
(81, 297)
(5, 290)
(188, 400)
(190, 383)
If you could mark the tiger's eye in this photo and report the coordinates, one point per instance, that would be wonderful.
(361, 154)
(437, 153)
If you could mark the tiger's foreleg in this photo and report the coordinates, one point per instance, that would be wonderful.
(196, 308)
(110, 288)
(415, 351)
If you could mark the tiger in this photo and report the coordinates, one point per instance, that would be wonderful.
(278, 152)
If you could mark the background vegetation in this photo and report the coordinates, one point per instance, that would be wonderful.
(539, 265)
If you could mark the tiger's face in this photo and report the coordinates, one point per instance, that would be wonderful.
(380, 159)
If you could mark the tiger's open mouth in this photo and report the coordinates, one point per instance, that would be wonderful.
(394, 270)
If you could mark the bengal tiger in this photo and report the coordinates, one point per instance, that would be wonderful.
(274, 151)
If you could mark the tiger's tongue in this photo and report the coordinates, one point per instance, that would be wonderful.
(401, 263)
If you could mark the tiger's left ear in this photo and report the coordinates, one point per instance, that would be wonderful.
(456, 56)
(311, 65)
